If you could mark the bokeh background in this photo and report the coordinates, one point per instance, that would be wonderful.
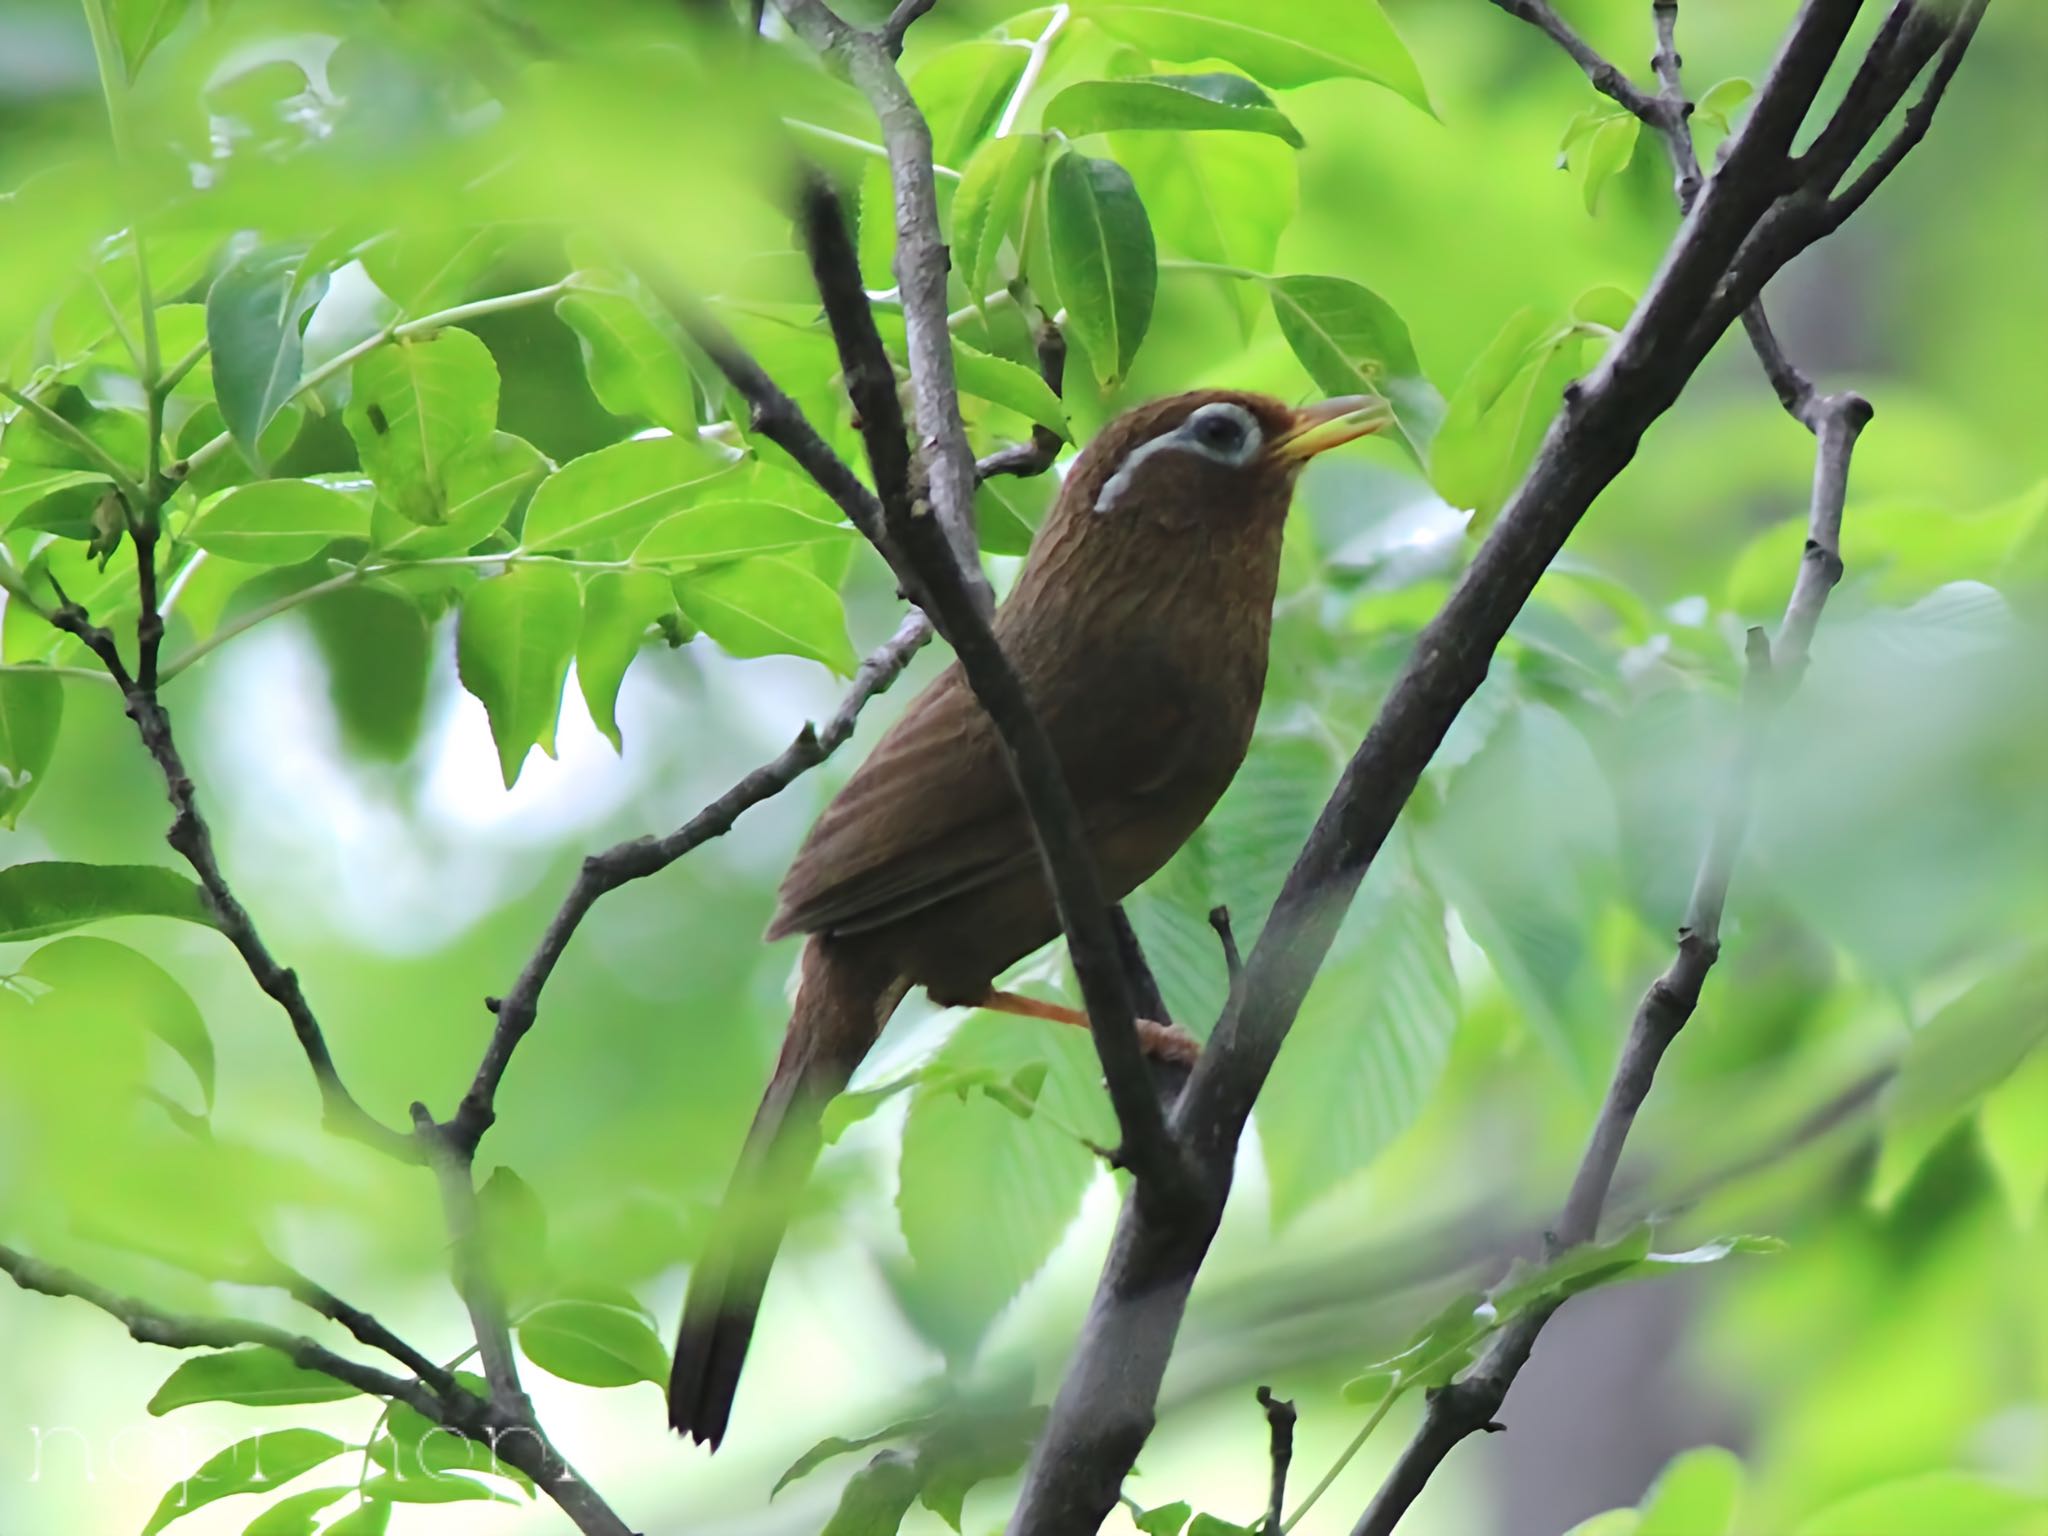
(1858, 1081)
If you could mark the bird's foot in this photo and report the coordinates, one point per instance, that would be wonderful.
(1162, 1042)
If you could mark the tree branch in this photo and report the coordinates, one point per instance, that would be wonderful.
(640, 857)
(191, 837)
(1713, 269)
(1038, 455)
(1280, 1417)
(922, 266)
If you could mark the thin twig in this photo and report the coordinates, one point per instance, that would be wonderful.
(1280, 1417)
(899, 22)
(1038, 455)
(643, 856)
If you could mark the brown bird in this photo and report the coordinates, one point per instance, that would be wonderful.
(1139, 628)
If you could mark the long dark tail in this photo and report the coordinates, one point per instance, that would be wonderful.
(840, 1005)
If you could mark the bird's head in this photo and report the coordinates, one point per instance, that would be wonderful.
(1211, 459)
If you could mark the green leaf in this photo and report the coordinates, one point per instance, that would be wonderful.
(1220, 198)
(256, 1465)
(988, 202)
(1182, 103)
(2013, 1125)
(141, 24)
(31, 715)
(1166, 1520)
(24, 488)
(962, 91)
(1103, 259)
(1008, 510)
(877, 1497)
(1695, 1495)
(1576, 1269)
(486, 483)
(720, 528)
(593, 1344)
(255, 1376)
(617, 493)
(141, 990)
(379, 650)
(1214, 1525)
(984, 1196)
(1010, 385)
(512, 648)
(1930, 1504)
(1280, 45)
(436, 1488)
(1352, 341)
(768, 607)
(43, 897)
(839, 1445)
(278, 522)
(632, 349)
(254, 314)
(370, 1518)
(1609, 1522)
(1610, 148)
(415, 405)
(422, 268)
(295, 1514)
(1500, 410)
(1370, 1045)
(619, 607)
(1717, 106)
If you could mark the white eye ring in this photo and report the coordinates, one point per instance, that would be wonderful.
(1226, 433)
(1221, 432)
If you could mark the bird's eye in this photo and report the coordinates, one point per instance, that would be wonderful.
(1223, 432)
(1219, 432)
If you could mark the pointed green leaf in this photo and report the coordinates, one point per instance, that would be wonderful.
(254, 1376)
(1181, 103)
(1219, 198)
(618, 493)
(1010, 385)
(141, 24)
(278, 522)
(141, 990)
(1103, 259)
(413, 407)
(31, 715)
(632, 349)
(619, 607)
(256, 1465)
(1280, 45)
(1695, 1495)
(439, 1488)
(1352, 341)
(295, 1514)
(1610, 148)
(25, 487)
(486, 483)
(593, 1344)
(43, 897)
(1931, 1504)
(254, 314)
(512, 647)
(718, 528)
(768, 607)
(988, 201)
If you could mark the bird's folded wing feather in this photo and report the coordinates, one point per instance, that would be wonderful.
(932, 812)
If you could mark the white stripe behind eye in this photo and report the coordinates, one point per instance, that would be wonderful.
(1184, 437)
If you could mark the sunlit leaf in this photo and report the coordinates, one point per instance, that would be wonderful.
(618, 493)
(632, 349)
(295, 1514)
(593, 1344)
(256, 1465)
(1219, 198)
(486, 484)
(2013, 1124)
(1103, 259)
(717, 528)
(988, 203)
(877, 1497)
(1608, 150)
(1930, 1504)
(254, 315)
(278, 522)
(116, 978)
(1695, 1495)
(141, 24)
(768, 607)
(43, 897)
(413, 407)
(513, 643)
(439, 1488)
(1352, 341)
(1282, 46)
(1011, 385)
(31, 716)
(619, 608)
(255, 1376)
(1182, 103)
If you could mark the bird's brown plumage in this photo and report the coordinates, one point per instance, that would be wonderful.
(1139, 629)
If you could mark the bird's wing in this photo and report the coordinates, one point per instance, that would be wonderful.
(932, 812)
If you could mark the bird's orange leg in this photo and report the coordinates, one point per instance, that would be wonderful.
(1162, 1042)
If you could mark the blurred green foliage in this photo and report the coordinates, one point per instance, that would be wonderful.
(435, 444)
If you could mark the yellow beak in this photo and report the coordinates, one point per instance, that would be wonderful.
(1320, 427)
